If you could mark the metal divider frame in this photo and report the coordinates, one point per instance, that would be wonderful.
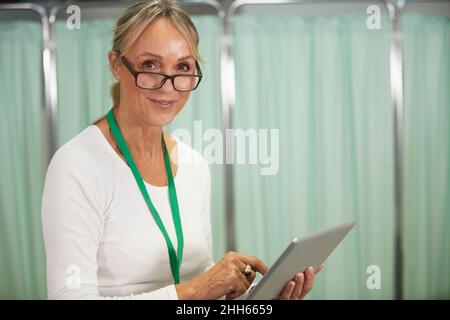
(49, 94)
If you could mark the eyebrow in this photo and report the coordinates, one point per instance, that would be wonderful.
(146, 53)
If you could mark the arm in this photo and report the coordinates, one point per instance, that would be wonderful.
(73, 206)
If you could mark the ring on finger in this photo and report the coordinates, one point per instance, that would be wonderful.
(248, 270)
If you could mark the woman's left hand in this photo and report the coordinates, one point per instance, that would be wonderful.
(300, 285)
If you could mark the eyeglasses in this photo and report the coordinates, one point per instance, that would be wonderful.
(155, 80)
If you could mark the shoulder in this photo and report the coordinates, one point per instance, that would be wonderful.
(76, 149)
(76, 170)
(77, 157)
(73, 175)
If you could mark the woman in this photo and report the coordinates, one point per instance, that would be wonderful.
(126, 206)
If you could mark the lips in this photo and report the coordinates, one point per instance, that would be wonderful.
(162, 103)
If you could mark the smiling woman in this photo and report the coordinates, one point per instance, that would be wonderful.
(126, 207)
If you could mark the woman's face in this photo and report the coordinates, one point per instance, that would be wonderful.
(161, 48)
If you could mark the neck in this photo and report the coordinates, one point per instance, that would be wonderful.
(142, 139)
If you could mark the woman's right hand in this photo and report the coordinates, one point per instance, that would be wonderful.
(226, 278)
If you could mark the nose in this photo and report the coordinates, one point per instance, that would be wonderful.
(167, 86)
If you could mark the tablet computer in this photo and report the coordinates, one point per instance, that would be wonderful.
(301, 253)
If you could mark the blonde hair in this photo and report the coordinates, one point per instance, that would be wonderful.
(135, 20)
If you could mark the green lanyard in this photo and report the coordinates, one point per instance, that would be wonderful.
(175, 263)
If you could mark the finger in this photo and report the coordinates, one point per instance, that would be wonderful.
(308, 282)
(242, 267)
(299, 280)
(287, 291)
(252, 277)
(320, 268)
(256, 263)
(245, 280)
(242, 284)
(235, 293)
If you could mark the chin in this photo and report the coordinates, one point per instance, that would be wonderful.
(161, 116)
(163, 121)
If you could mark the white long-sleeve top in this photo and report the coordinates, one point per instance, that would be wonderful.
(101, 240)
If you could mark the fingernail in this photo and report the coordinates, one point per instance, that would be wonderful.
(311, 269)
(291, 284)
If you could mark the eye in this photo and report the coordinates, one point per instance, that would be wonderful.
(148, 64)
(184, 67)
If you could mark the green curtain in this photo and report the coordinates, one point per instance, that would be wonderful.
(427, 156)
(84, 80)
(23, 160)
(324, 82)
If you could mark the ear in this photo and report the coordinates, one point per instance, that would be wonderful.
(114, 64)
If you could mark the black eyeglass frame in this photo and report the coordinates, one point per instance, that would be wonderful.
(136, 73)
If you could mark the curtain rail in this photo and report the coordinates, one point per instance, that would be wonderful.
(49, 90)
(119, 3)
